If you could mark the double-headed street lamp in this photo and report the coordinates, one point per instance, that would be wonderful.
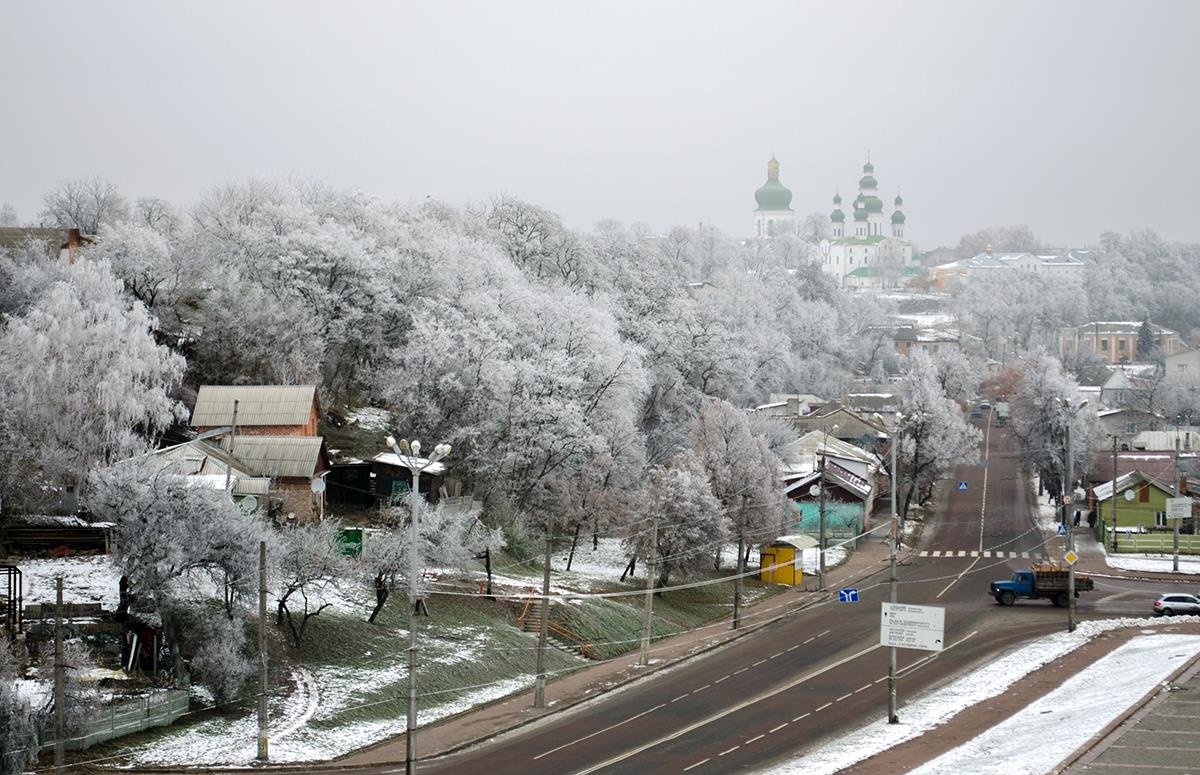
(1069, 490)
(409, 454)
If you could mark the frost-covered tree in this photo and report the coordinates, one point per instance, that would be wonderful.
(935, 435)
(220, 659)
(8, 215)
(1043, 405)
(308, 565)
(84, 382)
(18, 720)
(85, 204)
(691, 520)
(958, 374)
(448, 537)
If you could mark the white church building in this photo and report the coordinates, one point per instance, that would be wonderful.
(863, 252)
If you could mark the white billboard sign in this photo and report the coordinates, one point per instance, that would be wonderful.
(1179, 508)
(912, 626)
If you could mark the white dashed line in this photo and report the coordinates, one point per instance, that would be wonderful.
(719, 680)
(780, 654)
(810, 640)
(730, 750)
(806, 715)
(776, 729)
(759, 662)
(793, 648)
(863, 689)
(823, 707)
(739, 672)
(844, 696)
(751, 740)
(702, 688)
(680, 697)
(598, 732)
(822, 634)
(694, 766)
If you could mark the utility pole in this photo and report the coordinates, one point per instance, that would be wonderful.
(1069, 489)
(60, 700)
(1175, 522)
(821, 513)
(651, 573)
(262, 651)
(737, 578)
(410, 735)
(1114, 496)
(893, 718)
(539, 686)
(232, 437)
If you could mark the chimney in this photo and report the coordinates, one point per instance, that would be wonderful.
(793, 407)
(73, 242)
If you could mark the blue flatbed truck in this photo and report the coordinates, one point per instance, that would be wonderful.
(1040, 581)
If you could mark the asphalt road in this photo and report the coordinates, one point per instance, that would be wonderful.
(820, 673)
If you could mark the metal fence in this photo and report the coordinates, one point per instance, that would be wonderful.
(125, 718)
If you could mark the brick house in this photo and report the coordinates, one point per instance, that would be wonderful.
(262, 410)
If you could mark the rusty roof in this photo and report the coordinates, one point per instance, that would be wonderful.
(257, 405)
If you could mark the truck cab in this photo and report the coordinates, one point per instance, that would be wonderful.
(1020, 585)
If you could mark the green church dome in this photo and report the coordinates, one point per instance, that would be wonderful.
(872, 204)
(860, 215)
(838, 216)
(868, 181)
(773, 195)
(837, 199)
(897, 217)
(899, 201)
(868, 168)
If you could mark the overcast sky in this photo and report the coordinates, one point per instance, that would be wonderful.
(1072, 117)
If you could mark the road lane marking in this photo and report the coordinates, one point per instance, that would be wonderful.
(697, 764)
(680, 697)
(776, 729)
(958, 577)
(793, 648)
(719, 680)
(822, 634)
(863, 689)
(730, 750)
(923, 660)
(751, 740)
(844, 696)
(739, 672)
(810, 640)
(599, 731)
(702, 688)
(780, 654)
(823, 707)
(727, 711)
(806, 715)
(759, 662)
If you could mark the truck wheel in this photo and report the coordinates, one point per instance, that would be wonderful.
(1006, 597)
(1061, 600)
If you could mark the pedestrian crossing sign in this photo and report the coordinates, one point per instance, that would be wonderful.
(1062, 529)
(962, 486)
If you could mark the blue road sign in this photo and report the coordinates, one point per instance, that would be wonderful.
(1062, 529)
(848, 595)
(962, 486)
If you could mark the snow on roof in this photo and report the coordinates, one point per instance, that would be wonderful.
(1125, 481)
(392, 459)
(797, 541)
(257, 405)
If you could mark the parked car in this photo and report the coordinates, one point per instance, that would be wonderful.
(1169, 605)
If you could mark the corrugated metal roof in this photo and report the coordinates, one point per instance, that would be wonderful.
(257, 405)
(275, 456)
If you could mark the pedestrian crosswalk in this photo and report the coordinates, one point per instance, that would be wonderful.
(998, 555)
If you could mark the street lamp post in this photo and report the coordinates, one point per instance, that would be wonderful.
(408, 453)
(1069, 489)
(821, 502)
(893, 717)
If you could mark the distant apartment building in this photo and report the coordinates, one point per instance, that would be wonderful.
(943, 276)
(1115, 341)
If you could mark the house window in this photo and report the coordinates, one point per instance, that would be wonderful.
(1104, 345)
(1160, 519)
(1121, 345)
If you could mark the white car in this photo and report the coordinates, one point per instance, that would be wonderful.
(1169, 605)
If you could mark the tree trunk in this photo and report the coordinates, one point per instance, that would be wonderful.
(717, 559)
(574, 541)
(123, 597)
(737, 586)
(487, 566)
(381, 596)
(595, 535)
(630, 568)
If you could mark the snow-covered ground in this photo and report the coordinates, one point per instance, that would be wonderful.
(1071, 714)
(85, 580)
(935, 708)
(1152, 562)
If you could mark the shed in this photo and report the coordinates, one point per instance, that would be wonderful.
(779, 561)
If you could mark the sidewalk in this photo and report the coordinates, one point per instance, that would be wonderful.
(479, 724)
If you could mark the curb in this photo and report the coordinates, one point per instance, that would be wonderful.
(1106, 737)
